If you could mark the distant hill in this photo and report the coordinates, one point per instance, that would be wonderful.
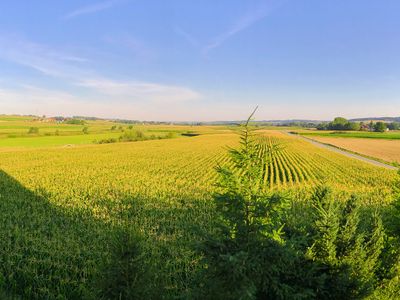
(290, 121)
(283, 122)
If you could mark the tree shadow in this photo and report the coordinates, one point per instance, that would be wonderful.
(52, 252)
(45, 250)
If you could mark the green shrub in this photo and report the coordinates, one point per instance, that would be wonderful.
(75, 122)
(345, 249)
(106, 141)
(132, 136)
(33, 130)
(85, 130)
(127, 275)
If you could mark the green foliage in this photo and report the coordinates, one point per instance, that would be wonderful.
(85, 130)
(132, 136)
(394, 126)
(360, 134)
(67, 241)
(245, 203)
(339, 124)
(346, 251)
(261, 250)
(170, 135)
(33, 130)
(75, 122)
(106, 141)
(354, 126)
(249, 258)
(380, 127)
(126, 275)
(339, 121)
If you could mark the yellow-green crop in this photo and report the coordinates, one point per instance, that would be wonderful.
(59, 206)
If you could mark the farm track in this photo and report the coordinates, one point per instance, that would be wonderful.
(343, 152)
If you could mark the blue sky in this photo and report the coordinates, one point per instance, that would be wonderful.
(200, 60)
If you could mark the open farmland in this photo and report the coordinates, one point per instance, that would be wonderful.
(391, 135)
(15, 132)
(387, 150)
(65, 203)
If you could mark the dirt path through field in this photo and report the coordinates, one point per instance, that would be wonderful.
(348, 154)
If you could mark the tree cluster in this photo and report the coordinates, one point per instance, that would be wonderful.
(343, 124)
(339, 124)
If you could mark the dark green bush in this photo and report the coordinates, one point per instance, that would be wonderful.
(33, 130)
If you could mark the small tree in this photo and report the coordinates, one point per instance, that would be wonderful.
(338, 123)
(346, 251)
(243, 197)
(380, 127)
(394, 126)
(33, 130)
(247, 257)
(85, 130)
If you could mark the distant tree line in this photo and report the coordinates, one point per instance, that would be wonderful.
(288, 124)
(71, 121)
(340, 123)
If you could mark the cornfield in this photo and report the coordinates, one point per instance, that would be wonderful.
(59, 207)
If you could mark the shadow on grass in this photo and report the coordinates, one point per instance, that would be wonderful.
(49, 252)
(46, 251)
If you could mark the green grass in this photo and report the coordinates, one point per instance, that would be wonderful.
(14, 132)
(15, 118)
(391, 135)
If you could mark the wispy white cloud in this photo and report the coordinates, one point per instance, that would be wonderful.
(136, 91)
(90, 9)
(191, 39)
(40, 57)
(247, 20)
(82, 90)
(132, 44)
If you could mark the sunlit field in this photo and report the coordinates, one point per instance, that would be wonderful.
(387, 150)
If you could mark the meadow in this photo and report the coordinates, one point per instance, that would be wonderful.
(390, 135)
(16, 132)
(63, 207)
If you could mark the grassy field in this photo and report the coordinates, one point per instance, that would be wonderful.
(61, 206)
(14, 132)
(391, 135)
